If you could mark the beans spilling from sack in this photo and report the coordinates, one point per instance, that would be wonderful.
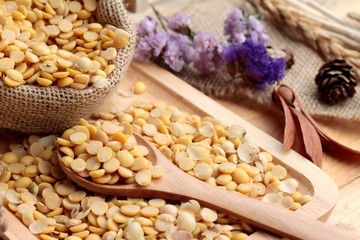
(56, 42)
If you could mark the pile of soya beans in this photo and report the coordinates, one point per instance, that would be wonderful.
(56, 42)
(37, 191)
(107, 153)
(205, 148)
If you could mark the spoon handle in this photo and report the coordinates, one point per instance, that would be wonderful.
(275, 219)
(272, 218)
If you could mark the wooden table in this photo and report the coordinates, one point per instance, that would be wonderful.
(343, 170)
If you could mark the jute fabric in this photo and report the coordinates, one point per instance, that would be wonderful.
(209, 15)
(35, 109)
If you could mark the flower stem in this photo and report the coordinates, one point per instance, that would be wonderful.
(257, 12)
(159, 17)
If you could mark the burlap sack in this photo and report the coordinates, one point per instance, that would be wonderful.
(34, 109)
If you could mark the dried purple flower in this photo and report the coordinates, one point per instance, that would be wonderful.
(244, 52)
(279, 66)
(143, 49)
(185, 45)
(234, 23)
(146, 26)
(158, 42)
(172, 49)
(256, 30)
(208, 52)
(179, 22)
(173, 56)
(206, 42)
(232, 53)
(238, 38)
(259, 68)
(255, 65)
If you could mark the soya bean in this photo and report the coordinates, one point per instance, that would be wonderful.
(139, 87)
(90, 36)
(38, 226)
(125, 158)
(112, 165)
(93, 147)
(90, 5)
(104, 154)
(52, 201)
(6, 64)
(121, 41)
(75, 6)
(203, 171)
(97, 173)
(227, 167)
(17, 55)
(41, 50)
(78, 138)
(109, 54)
(130, 210)
(134, 231)
(186, 221)
(279, 172)
(157, 171)
(186, 164)
(99, 208)
(8, 35)
(143, 177)
(43, 81)
(240, 176)
(65, 25)
(84, 64)
(78, 165)
(208, 215)
(140, 163)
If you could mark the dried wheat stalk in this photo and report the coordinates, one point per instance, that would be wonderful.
(329, 36)
(354, 15)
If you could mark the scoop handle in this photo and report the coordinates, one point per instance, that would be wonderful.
(275, 219)
(283, 222)
(176, 184)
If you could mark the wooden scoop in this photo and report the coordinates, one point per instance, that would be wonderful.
(178, 185)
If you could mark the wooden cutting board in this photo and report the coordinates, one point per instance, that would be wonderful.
(162, 85)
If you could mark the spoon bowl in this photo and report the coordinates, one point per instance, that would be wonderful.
(178, 185)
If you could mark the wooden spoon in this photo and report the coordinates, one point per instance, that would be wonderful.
(178, 185)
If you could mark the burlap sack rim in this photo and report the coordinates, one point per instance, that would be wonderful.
(55, 96)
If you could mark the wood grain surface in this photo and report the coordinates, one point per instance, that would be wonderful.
(343, 170)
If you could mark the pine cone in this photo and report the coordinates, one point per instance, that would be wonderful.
(336, 82)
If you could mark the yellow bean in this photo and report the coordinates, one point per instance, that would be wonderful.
(139, 87)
